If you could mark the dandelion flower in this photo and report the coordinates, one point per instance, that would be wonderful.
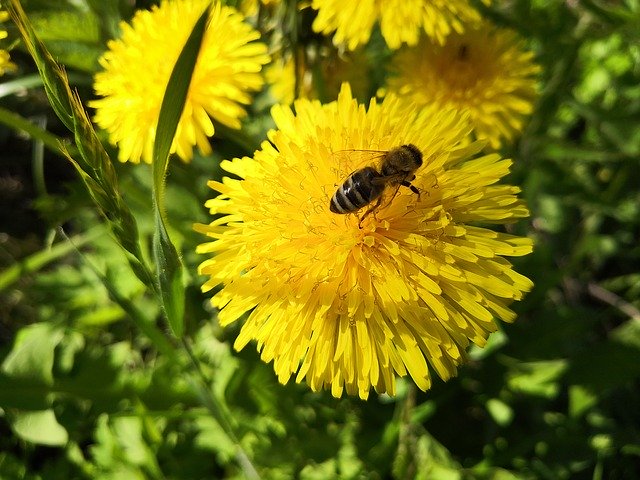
(486, 72)
(353, 67)
(281, 77)
(401, 21)
(6, 65)
(348, 308)
(137, 68)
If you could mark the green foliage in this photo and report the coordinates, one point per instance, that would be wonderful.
(94, 384)
(73, 37)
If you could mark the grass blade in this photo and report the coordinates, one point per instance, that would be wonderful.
(168, 264)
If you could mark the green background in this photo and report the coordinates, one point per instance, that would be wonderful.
(93, 384)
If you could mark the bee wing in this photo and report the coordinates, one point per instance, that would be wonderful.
(348, 161)
(390, 179)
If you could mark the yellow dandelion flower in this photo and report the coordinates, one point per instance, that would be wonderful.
(281, 77)
(6, 65)
(333, 71)
(137, 68)
(349, 306)
(486, 72)
(401, 21)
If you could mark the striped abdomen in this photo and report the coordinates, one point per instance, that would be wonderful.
(358, 190)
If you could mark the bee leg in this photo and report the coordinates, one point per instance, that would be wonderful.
(370, 210)
(412, 187)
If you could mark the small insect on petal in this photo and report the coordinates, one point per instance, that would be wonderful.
(366, 185)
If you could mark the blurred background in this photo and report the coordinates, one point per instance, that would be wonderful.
(86, 391)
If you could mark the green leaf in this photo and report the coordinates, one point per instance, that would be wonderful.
(120, 448)
(128, 431)
(174, 101)
(211, 436)
(501, 413)
(73, 37)
(168, 264)
(40, 427)
(53, 76)
(319, 471)
(78, 26)
(628, 333)
(33, 353)
(538, 378)
(432, 460)
(581, 399)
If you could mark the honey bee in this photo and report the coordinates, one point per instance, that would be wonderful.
(366, 185)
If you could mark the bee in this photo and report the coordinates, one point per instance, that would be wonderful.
(366, 185)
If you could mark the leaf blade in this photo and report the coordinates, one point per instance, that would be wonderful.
(168, 263)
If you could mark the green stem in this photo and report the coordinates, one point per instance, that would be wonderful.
(38, 162)
(35, 262)
(20, 85)
(27, 82)
(16, 122)
(145, 325)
